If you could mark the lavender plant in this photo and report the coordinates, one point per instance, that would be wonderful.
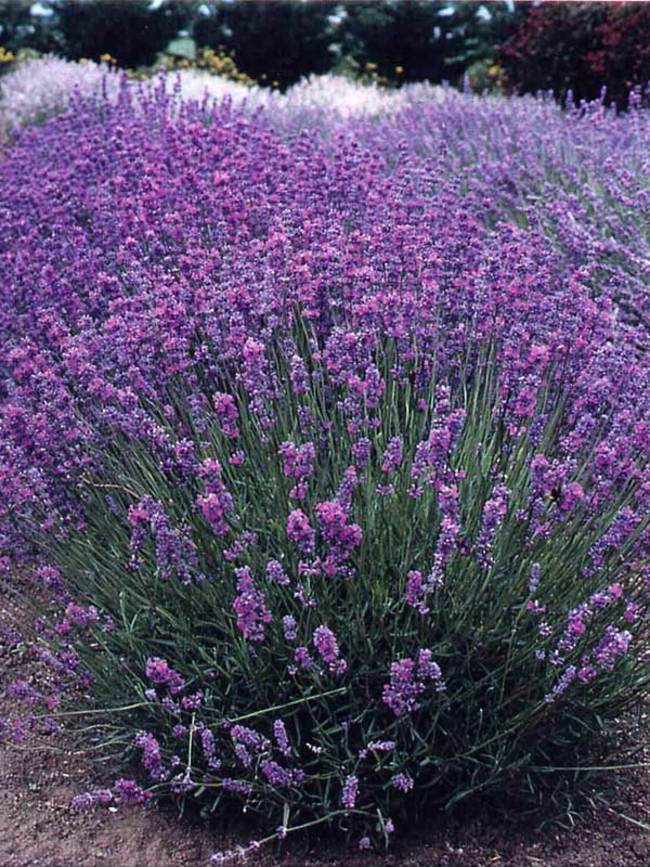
(39, 88)
(340, 489)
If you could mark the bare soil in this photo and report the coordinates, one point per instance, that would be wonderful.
(38, 828)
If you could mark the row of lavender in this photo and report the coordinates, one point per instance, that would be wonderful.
(37, 89)
(580, 176)
(329, 438)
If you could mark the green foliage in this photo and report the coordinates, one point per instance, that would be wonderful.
(19, 29)
(582, 47)
(419, 40)
(273, 42)
(131, 32)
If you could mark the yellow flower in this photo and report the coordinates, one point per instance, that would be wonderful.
(399, 70)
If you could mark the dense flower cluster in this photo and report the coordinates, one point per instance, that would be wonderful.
(339, 469)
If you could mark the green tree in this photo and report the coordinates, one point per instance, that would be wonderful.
(132, 32)
(273, 42)
(411, 41)
(19, 29)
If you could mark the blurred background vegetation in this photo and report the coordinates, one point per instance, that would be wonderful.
(506, 46)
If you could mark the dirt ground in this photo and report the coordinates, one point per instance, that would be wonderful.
(39, 829)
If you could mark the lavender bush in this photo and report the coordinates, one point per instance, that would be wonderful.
(38, 88)
(580, 176)
(336, 481)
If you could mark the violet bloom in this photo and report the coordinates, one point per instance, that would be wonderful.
(614, 643)
(279, 776)
(342, 536)
(393, 452)
(350, 792)
(275, 573)
(416, 591)
(566, 679)
(78, 615)
(402, 782)
(250, 738)
(402, 692)
(328, 649)
(408, 681)
(151, 755)
(289, 627)
(297, 461)
(97, 797)
(216, 504)
(227, 413)
(250, 606)
(361, 452)
(175, 551)
(302, 657)
(298, 375)
(129, 792)
(300, 531)
(281, 737)
(494, 513)
(158, 671)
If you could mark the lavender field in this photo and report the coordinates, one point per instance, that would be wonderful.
(324, 438)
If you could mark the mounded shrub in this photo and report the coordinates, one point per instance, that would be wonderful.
(580, 48)
(342, 496)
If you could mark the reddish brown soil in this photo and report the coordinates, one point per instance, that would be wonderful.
(39, 829)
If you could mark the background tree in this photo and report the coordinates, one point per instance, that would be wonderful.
(404, 40)
(133, 33)
(581, 46)
(273, 42)
(20, 29)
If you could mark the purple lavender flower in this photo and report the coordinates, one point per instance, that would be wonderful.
(300, 531)
(151, 755)
(613, 644)
(361, 452)
(297, 461)
(567, 677)
(408, 681)
(350, 792)
(97, 797)
(403, 690)
(279, 776)
(328, 649)
(281, 737)
(393, 454)
(216, 504)
(289, 627)
(158, 671)
(275, 572)
(250, 606)
(156, 250)
(299, 375)
(129, 792)
(402, 782)
(226, 410)
(303, 658)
